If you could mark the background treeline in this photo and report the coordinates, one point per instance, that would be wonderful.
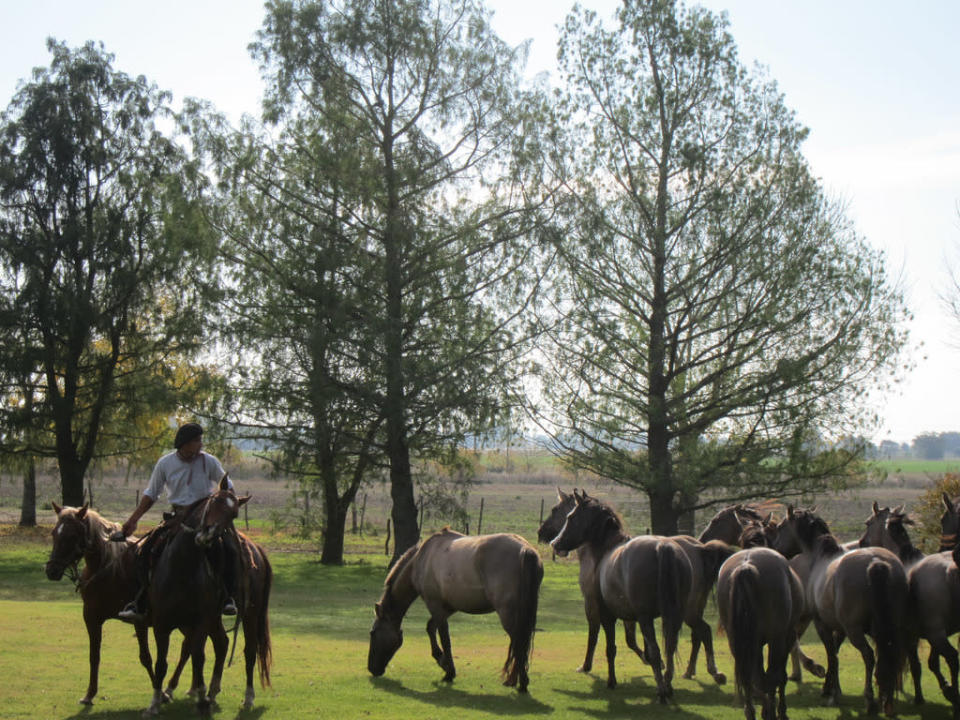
(415, 249)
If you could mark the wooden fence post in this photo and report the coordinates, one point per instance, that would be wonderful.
(386, 545)
(480, 519)
(363, 512)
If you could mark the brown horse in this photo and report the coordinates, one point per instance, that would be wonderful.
(705, 560)
(452, 572)
(640, 579)
(760, 601)
(853, 594)
(106, 584)
(588, 581)
(949, 524)
(185, 593)
(728, 524)
(934, 598)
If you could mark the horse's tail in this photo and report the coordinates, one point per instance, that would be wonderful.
(521, 636)
(891, 649)
(264, 647)
(742, 630)
(672, 606)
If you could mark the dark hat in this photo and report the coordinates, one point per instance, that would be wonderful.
(186, 433)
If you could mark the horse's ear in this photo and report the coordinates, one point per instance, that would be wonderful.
(56, 508)
(789, 511)
(245, 498)
(82, 512)
(898, 510)
(225, 482)
(947, 502)
(577, 497)
(876, 508)
(378, 610)
(561, 495)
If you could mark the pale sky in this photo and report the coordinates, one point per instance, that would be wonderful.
(875, 81)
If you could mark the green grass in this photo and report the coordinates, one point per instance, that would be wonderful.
(910, 466)
(320, 618)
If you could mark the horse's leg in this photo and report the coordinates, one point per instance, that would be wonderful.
(178, 670)
(776, 676)
(656, 661)
(443, 628)
(831, 682)
(913, 658)
(143, 646)
(197, 639)
(700, 632)
(221, 643)
(609, 625)
(435, 650)
(162, 640)
(630, 638)
(940, 646)
(593, 632)
(95, 635)
(859, 641)
(695, 642)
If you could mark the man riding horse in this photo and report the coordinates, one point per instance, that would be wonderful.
(188, 475)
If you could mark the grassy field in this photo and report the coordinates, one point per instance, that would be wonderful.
(321, 616)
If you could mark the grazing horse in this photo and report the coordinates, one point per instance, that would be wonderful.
(853, 594)
(186, 593)
(760, 601)
(485, 573)
(640, 579)
(107, 583)
(705, 560)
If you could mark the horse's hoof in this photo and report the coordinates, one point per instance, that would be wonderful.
(689, 675)
(818, 671)
(720, 679)
(449, 677)
(584, 668)
(86, 700)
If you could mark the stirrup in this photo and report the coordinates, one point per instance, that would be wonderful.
(229, 607)
(130, 613)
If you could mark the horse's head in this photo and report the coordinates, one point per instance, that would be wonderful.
(71, 537)
(552, 526)
(879, 530)
(798, 530)
(386, 637)
(949, 524)
(218, 513)
(590, 520)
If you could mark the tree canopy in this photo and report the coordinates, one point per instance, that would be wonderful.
(722, 321)
(103, 260)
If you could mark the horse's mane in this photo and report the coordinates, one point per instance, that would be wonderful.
(614, 518)
(399, 565)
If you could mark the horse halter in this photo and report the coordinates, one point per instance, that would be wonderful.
(71, 567)
(204, 536)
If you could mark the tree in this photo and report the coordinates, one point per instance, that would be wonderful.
(398, 195)
(103, 261)
(722, 321)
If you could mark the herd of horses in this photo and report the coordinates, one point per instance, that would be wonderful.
(772, 578)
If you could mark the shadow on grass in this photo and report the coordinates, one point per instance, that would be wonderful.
(181, 708)
(509, 702)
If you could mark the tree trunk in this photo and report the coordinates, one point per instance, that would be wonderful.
(335, 526)
(404, 512)
(28, 504)
(663, 514)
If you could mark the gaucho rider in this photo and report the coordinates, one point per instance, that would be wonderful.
(188, 474)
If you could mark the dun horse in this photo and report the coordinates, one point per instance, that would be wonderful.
(185, 594)
(640, 579)
(853, 594)
(705, 560)
(934, 598)
(728, 524)
(452, 572)
(760, 600)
